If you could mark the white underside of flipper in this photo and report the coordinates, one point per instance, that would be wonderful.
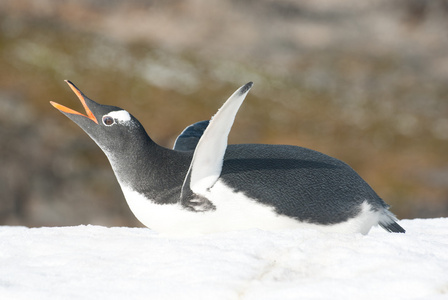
(234, 211)
(206, 165)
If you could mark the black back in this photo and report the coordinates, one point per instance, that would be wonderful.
(295, 181)
(298, 182)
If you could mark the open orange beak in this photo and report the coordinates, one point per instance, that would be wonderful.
(81, 98)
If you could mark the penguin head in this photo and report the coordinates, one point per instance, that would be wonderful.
(112, 128)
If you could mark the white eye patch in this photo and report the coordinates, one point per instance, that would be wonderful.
(120, 116)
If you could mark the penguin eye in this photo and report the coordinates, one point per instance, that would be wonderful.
(108, 120)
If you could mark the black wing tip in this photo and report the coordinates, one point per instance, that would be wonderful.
(245, 88)
(393, 227)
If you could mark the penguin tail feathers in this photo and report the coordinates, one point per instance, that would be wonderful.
(393, 227)
(388, 222)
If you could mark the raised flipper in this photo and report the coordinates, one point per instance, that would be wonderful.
(189, 138)
(206, 165)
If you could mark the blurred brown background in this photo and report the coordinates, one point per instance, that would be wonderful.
(364, 81)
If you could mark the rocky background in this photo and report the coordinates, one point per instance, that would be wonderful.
(364, 81)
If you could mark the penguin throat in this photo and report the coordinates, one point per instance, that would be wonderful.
(155, 172)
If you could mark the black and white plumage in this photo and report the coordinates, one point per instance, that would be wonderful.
(204, 185)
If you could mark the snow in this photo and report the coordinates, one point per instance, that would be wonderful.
(94, 262)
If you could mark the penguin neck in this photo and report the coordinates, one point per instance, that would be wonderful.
(151, 170)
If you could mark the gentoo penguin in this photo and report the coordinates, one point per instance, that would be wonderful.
(205, 185)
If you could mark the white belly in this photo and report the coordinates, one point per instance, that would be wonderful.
(234, 211)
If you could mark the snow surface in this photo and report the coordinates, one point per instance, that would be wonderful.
(94, 262)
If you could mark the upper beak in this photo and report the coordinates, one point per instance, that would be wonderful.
(81, 97)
